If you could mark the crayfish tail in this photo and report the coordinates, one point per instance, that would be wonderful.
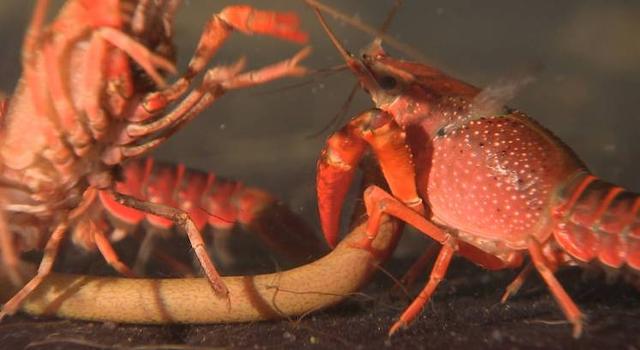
(599, 220)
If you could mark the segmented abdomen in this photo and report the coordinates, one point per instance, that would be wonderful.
(212, 201)
(600, 220)
(208, 199)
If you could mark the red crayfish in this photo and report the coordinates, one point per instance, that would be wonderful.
(209, 200)
(93, 95)
(484, 180)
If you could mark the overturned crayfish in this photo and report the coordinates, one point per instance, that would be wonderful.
(210, 201)
(93, 95)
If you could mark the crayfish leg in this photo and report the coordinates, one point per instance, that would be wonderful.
(517, 282)
(417, 268)
(242, 18)
(46, 265)
(216, 82)
(181, 219)
(9, 255)
(54, 56)
(437, 274)
(570, 309)
(379, 202)
(109, 254)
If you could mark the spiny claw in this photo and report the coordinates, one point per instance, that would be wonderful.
(335, 171)
(287, 27)
(282, 25)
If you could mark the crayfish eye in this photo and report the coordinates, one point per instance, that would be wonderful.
(388, 82)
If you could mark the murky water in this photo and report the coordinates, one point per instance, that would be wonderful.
(587, 92)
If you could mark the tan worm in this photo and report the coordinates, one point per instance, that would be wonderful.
(294, 292)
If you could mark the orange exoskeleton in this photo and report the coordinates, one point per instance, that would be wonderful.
(92, 95)
(484, 180)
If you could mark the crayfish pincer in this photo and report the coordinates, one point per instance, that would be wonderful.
(485, 181)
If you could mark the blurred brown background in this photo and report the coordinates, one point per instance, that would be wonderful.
(587, 93)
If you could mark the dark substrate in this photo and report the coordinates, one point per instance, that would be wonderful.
(465, 313)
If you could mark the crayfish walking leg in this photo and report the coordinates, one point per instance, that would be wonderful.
(182, 220)
(92, 94)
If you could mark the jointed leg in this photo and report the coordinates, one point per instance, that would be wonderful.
(241, 18)
(220, 243)
(89, 230)
(50, 253)
(437, 274)
(109, 254)
(380, 202)
(217, 85)
(285, 68)
(94, 83)
(33, 34)
(182, 220)
(216, 82)
(145, 251)
(211, 81)
(138, 53)
(219, 27)
(418, 266)
(216, 31)
(55, 51)
(54, 54)
(515, 285)
(60, 153)
(10, 259)
(567, 305)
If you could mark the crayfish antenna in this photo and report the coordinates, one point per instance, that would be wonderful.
(365, 78)
(404, 48)
(345, 105)
(346, 55)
